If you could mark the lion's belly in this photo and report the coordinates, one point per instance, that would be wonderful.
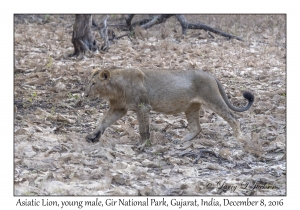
(171, 91)
(172, 100)
(168, 108)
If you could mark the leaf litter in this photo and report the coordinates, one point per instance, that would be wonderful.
(51, 156)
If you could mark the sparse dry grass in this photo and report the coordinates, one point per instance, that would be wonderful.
(52, 157)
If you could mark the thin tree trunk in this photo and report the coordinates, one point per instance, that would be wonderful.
(104, 32)
(128, 20)
(83, 38)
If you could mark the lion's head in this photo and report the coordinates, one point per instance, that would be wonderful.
(98, 84)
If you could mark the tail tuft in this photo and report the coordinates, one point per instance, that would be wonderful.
(249, 96)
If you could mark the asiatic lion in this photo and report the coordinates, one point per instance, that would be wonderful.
(164, 91)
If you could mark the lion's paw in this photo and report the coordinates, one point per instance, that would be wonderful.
(94, 138)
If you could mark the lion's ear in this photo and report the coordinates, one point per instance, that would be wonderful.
(104, 75)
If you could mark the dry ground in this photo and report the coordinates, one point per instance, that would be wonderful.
(51, 156)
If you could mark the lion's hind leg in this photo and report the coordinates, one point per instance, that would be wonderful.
(218, 105)
(192, 115)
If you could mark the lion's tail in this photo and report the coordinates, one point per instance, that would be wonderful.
(247, 95)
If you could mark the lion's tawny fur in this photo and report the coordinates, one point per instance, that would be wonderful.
(164, 91)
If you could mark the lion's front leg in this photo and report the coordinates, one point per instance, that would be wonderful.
(110, 117)
(143, 112)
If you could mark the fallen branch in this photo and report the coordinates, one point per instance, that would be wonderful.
(146, 23)
(186, 25)
(119, 37)
(199, 154)
(157, 19)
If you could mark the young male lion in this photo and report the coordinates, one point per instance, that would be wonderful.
(165, 91)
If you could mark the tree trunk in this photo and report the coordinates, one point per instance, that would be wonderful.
(83, 38)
